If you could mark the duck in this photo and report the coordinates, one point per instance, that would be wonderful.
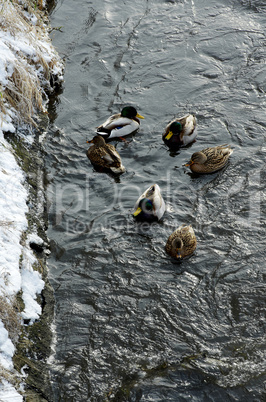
(209, 160)
(121, 124)
(104, 156)
(150, 205)
(181, 131)
(182, 242)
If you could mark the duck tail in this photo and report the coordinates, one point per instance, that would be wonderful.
(103, 131)
(226, 149)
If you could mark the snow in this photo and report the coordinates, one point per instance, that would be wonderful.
(16, 260)
(31, 286)
(6, 347)
(9, 393)
(34, 238)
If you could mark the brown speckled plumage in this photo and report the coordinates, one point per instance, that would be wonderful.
(210, 160)
(105, 155)
(182, 242)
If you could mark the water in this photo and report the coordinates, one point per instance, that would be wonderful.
(130, 324)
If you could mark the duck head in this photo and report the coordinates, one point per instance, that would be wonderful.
(130, 112)
(144, 210)
(174, 130)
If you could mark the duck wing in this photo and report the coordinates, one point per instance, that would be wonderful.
(107, 158)
(113, 153)
(154, 194)
(122, 131)
(109, 120)
(189, 125)
(115, 121)
(218, 154)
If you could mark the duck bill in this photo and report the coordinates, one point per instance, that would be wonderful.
(89, 142)
(178, 256)
(189, 163)
(169, 135)
(137, 212)
(139, 116)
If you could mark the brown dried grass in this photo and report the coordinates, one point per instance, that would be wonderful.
(9, 376)
(24, 91)
(9, 315)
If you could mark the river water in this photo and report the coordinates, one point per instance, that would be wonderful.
(130, 323)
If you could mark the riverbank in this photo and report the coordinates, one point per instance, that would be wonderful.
(30, 70)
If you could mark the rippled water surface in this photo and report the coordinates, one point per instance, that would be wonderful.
(130, 323)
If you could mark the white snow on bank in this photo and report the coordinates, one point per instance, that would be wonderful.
(9, 393)
(6, 347)
(17, 261)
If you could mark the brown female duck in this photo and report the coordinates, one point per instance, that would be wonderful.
(104, 155)
(210, 160)
(182, 242)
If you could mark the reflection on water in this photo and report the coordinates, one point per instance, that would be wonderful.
(131, 323)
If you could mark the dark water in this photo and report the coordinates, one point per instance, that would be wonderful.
(129, 323)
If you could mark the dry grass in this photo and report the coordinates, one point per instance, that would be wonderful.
(24, 91)
(6, 223)
(34, 7)
(11, 377)
(9, 315)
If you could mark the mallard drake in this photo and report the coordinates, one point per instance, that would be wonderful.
(120, 124)
(182, 242)
(150, 205)
(181, 131)
(210, 160)
(104, 155)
